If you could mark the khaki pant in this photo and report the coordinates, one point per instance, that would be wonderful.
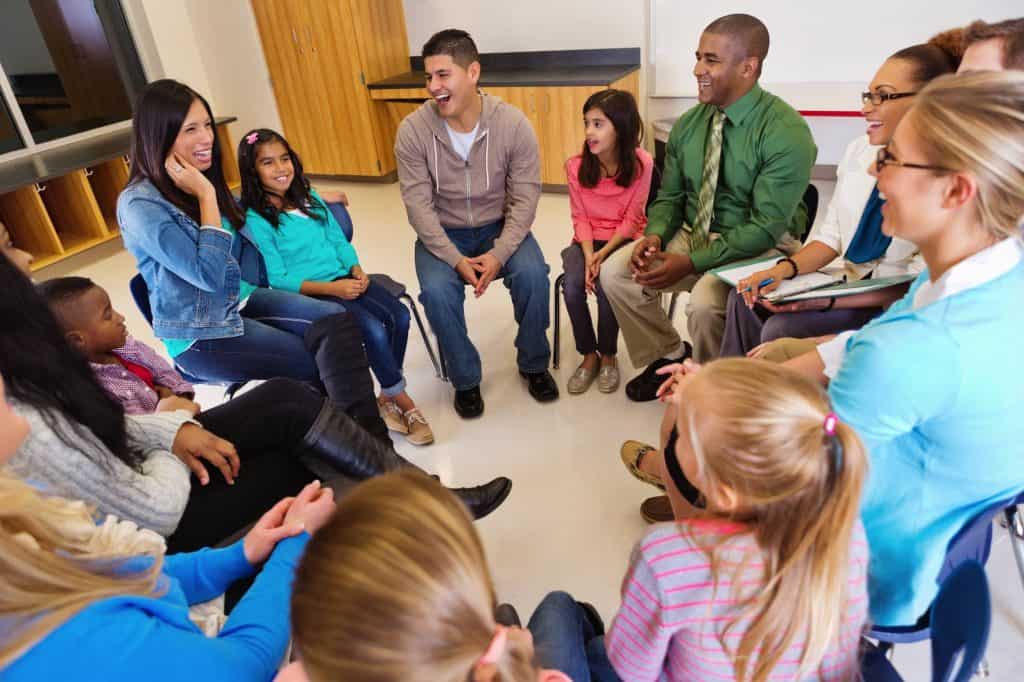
(646, 328)
(787, 348)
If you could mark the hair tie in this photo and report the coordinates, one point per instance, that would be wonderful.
(496, 648)
(251, 138)
(831, 421)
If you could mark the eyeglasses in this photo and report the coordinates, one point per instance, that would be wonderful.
(877, 98)
(885, 158)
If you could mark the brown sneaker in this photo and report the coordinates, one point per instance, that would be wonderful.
(417, 429)
(392, 415)
(657, 509)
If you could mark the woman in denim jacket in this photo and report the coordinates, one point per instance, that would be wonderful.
(207, 282)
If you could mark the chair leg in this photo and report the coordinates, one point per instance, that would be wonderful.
(557, 295)
(423, 332)
(672, 305)
(234, 388)
(1015, 527)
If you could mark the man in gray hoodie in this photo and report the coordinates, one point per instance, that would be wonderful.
(469, 172)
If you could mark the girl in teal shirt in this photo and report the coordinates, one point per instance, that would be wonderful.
(307, 252)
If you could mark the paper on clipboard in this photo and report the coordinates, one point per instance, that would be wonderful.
(850, 288)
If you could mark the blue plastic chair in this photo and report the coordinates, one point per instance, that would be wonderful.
(396, 289)
(140, 294)
(973, 542)
(961, 618)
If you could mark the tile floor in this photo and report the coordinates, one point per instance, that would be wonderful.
(572, 517)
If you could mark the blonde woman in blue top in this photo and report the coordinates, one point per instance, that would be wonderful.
(932, 386)
(307, 252)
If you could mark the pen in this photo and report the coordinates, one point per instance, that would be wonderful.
(764, 283)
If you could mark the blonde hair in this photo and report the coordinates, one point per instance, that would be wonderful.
(54, 564)
(396, 587)
(974, 122)
(758, 429)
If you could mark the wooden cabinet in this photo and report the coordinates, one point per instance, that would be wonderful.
(555, 112)
(321, 54)
(74, 208)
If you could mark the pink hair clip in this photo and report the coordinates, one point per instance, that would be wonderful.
(830, 423)
(251, 138)
(496, 647)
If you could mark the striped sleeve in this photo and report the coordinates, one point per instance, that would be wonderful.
(637, 642)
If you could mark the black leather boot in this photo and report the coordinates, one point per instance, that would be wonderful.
(337, 439)
(336, 343)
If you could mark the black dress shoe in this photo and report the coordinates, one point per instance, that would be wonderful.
(469, 403)
(506, 614)
(644, 386)
(483, 499)
(542, 385)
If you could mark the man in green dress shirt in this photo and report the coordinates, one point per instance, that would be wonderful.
(736, 168)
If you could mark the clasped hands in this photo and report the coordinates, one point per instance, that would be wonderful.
(479, 271)
(657, 269)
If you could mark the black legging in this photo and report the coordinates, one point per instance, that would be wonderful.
(266, 426)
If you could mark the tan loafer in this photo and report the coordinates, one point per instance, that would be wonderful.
(631, 452)
(392, 415)
(580, 380)
(418, 431)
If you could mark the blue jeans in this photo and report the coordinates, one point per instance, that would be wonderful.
(384, 321)
(272, 345)
(564, 640)
(443, 295)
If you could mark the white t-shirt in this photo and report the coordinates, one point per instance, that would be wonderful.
(462, 142)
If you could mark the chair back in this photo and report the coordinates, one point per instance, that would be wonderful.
(140, 294)
(340, 214)
(655, 186)
(811, 202)
(961, 618)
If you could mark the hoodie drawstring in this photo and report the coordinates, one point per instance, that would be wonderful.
(437, 169)
(487, 159)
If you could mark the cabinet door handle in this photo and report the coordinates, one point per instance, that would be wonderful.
(89, 171)
(39, 187)
(309, 39)
(295, 39)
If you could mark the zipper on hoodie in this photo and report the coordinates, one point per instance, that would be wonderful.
(469, 204)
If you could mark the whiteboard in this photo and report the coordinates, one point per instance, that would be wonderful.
(812, 41)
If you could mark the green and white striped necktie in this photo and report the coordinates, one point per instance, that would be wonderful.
(699, 237)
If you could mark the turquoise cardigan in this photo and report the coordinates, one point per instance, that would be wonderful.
(302, 249)
(935, 395)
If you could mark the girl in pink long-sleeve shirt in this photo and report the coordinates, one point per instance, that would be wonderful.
(763, 574)
(608, 187)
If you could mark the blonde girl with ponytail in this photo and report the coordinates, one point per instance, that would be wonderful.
(396, 589)
(765, 578)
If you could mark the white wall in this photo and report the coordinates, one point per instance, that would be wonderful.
(24, 49)
(215, 48)
(529, 25)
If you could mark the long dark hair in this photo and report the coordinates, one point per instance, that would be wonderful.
(41, 370)
(160, 112)
(257, 198)
(619, 107)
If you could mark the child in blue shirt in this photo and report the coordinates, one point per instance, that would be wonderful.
(307, 252)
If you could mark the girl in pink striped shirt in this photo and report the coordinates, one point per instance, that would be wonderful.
(762, 575)
(608, 187)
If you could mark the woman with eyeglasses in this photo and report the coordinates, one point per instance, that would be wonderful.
(849, 239)
(933, 385)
